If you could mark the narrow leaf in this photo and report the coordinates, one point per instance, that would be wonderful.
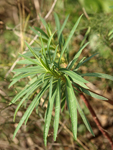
(100, 75)
(25, 61)
(87, 32)
(93, 94)
(62, 28)
(69, 37)
(43, 21)
(84, 118)
(30, 109)
(76, 56)
(54, 56)
(48, 44)
(37, 57)
(71, 101)
(57, 22)
(73, 74)
(57, 110)
(42, 32)
(48, 117)
(75, 77)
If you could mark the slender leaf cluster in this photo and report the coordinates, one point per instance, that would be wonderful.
(45, 67)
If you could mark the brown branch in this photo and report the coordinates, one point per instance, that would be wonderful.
(96, 119)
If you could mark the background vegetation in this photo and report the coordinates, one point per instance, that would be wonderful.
(15, 19)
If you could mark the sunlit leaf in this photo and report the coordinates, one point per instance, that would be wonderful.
(48, 117)
(93, 94)
(57, 22)
(57, 110)
(71, 101)
(30, 109)
(84, 118)
(69, 37)
(100, 75)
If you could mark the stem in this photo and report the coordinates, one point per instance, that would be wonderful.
(96, 119)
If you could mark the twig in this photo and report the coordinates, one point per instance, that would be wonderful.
(64, 126)
(47, 15)
(50, 11)
(96, 119)
(85, 13)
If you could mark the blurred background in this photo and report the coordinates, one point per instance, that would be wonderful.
(15, 18)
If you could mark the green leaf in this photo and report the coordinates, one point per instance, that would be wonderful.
(88, 58)
(92, 94)
(38, 69)
(48, 44)
(38, 82)
(57, 110)
(83, 41)
(46, 66)
(75, 77)
(71, 101)
(79, 64)
(100, 75)
(29, 92)
(63, 103)
(57, 22)
(42, 32)
(36, 51)
(48, 117)
(54, 56)
(84, 118)
(62, 28)
(32, 60)
(43, 21)
(37, 33)
(69, 37)
(37, 57)
(76, 56)
(15, 79)
(30, 108)
(25, 61)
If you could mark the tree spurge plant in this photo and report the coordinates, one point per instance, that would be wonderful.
(49, 70)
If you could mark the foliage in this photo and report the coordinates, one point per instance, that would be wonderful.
(96, 6)
(49, 70)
